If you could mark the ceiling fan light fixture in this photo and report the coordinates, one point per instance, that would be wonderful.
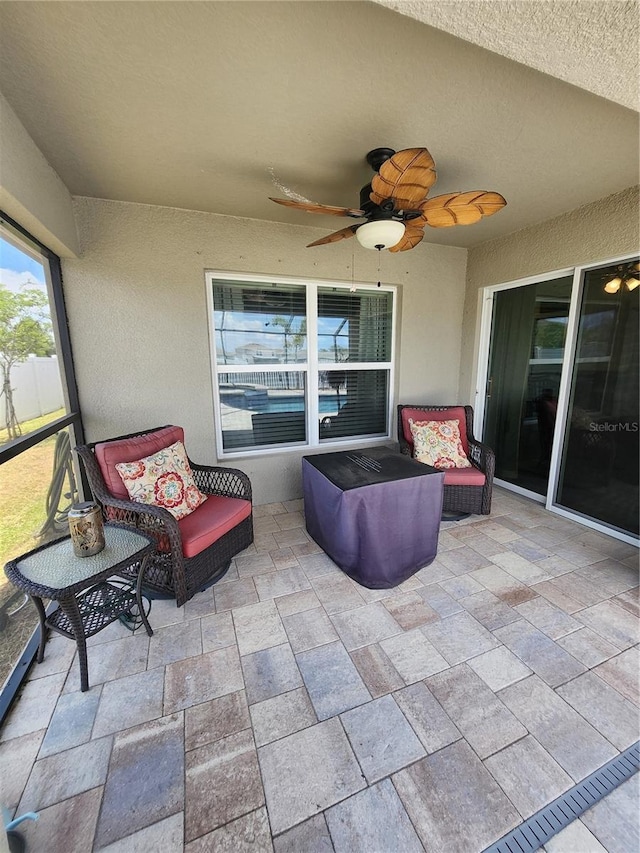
(613, 286)
(380, 233)
(632, 283)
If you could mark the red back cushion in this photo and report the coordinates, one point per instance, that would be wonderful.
(109, 453)
(454, 413)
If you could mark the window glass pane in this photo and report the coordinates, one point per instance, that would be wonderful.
(354, 327)
(260, 409)
(599, 474)
(30, 376)
(352, 403)
(37, 489)
(259, 323)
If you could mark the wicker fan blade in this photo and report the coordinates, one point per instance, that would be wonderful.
(443, 211)
(319, 208)
(405, 179)
(335, 237)
(413, 234)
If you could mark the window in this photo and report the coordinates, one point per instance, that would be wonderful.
(39, 426)
(299, 363)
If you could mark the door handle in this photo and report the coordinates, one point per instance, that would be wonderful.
(489, 386)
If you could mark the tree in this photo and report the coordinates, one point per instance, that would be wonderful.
(24, 330)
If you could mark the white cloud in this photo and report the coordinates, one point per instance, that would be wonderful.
(13, 280)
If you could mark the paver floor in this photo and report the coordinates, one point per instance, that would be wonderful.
(289, 709)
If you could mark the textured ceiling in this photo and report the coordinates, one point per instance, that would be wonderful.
(198, 105)
(594, 44)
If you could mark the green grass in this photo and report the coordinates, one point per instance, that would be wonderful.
(34, 424)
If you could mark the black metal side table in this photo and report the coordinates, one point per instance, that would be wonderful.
(87, 601)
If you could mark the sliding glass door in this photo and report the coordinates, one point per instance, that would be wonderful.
(561, 408)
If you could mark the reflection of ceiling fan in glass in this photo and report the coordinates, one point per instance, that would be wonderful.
(627, 275)
(395, 204)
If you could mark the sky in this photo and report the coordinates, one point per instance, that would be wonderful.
(17, 268)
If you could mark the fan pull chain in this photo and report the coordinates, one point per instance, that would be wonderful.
(379, 248)
(353, 282)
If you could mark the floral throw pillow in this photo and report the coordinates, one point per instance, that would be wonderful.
(164, 479)
(438, 443)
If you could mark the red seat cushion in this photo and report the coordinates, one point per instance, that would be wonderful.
(109, 453)
(451, 414)
(463, 477)
(211, 520)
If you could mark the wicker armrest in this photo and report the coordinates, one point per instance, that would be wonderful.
(482, 456)
(217, 480)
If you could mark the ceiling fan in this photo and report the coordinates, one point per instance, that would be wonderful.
(395, 204)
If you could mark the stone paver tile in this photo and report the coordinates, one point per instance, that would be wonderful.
(614, 820)
(528, 775)
(548, 618)
(235, 594)
(577, 553)
(258, 626)
(307, 772)
(202, 604)
(612, 622)
(575, 838)
(486, 723)
(270, 672)
(16, 760)
(283, 558)
(613, 576)
(607, 545)
(543, 535)
(66, 774)
(520, 568)
(287, 538)
(290, 520)
(72, 721)
(454, 802)
(376, 670)
(129, 701)
(166, 835)
(504, 585)
(434, 572)
(222, 783)
(373, 819)
(610, 713)
(34, 710)
(557, 596)
(267, 510)
(381, 737)
(461, 586)
(146, 779)
(555, 566)
(175, 642)
(108, 661)
(296, 505)
(282, 582)
(496, 530)
(312, 836)
(490, 610)
(410, 610)
(462, 560)
(256, 564)
(447, 541)
(439, 600)
(247, 834)
(539, 652)
(51, 833)
(567, 737)
(58, 654)
(297, 602)
(216, 719)
(630, 601)
(261, 526)
(337, 593)
(309, 629)
(413, 655)
(484, 545)
(164, 611)
(264, 542)
(332, 680)
(281, 716)
(217, 632)
(365, 625)
(459, 637)
(575, 586)
(529, 550)
(305, 549)
(588, 647)
(195, 680)
(499, 667)
(317, 564)
(428, 718)
(623, 673)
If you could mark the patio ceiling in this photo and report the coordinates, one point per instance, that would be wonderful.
(198, 105)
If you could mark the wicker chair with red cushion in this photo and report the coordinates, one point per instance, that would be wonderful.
(193, 552)
(466, 490)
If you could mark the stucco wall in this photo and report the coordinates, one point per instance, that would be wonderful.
(596, 232)
(31, 193)
(137, 314)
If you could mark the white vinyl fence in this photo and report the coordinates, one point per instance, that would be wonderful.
(37, 389)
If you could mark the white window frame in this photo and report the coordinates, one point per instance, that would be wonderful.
(311, 368)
